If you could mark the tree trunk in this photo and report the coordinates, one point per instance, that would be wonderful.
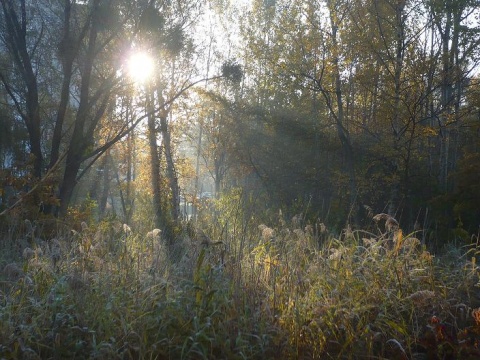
(457, 96)
(397, 120)
(339, 116)
(171, 173)
(79, 141)
(130, 175)
(16, 40)
(219, 163)
(69, 49)
(73, 162)
(154, 163)
(102, 201)
(446, 97)
(197, 171)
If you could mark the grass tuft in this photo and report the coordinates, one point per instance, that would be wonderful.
(288, 290)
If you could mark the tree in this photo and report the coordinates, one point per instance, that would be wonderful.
(91, 39)
(21, 45)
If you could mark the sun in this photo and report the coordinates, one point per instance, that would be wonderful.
(140, 67)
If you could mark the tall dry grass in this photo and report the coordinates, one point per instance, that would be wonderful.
(285, 289)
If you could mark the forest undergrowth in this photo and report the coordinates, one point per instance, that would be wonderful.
(288, 290)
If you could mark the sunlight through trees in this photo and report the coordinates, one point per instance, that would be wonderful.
(189, 150)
